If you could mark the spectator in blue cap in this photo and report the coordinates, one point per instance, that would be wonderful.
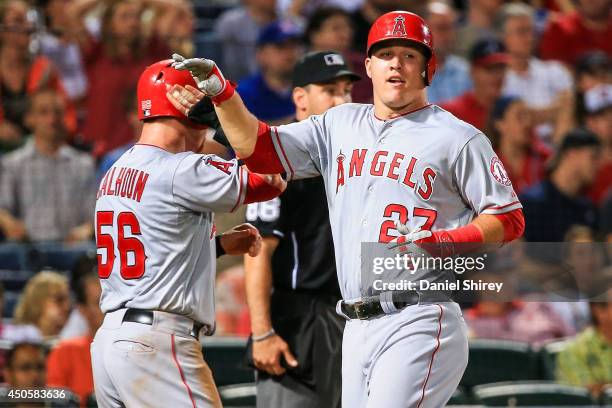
(267, 93)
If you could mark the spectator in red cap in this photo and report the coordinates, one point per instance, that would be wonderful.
(489, 60)
(586, 29)
(598, 119)
(511, 134)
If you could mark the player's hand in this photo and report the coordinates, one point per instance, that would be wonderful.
(205, 72)
(274, 180)
(267, 355)
(414, 244)
(186, 99)
(242, 239)
(407, 237)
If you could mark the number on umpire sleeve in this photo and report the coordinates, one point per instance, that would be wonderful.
(267, 211)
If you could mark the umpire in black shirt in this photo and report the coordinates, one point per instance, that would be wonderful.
(292, 287)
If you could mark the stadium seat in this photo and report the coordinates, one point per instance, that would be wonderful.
(10, 303)
(59, 257)
(532, 394)
(225, 357)
(5, 346)
(91, 401)
(459, 397)
(498, 360)
(238, 395)
(548, 357)
(14, 280)
(606, 397)
(13, 256)
(466, 406)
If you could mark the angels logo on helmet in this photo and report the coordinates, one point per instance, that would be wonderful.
(399, 29)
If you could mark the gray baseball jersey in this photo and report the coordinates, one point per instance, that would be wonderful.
(426, 168)
(155, 232)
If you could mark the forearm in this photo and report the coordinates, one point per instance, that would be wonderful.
(484, 229)
(239, 125)
(258, 282)
(263, 187)
(490, 227)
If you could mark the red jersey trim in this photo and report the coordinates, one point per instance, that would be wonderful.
(282, 149)
(501, 207)
(432, 356)
(239, 200)
(150, 145)
(181, 372)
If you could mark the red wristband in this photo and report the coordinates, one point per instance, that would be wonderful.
(259, 190)
(443, 243)
(264, 158)
(228, 91)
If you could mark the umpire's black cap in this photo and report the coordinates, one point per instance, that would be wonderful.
(322, 66)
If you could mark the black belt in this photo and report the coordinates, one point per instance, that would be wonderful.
(146, 317)
(370, 307)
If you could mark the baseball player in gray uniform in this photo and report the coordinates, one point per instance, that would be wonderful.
(398, 170)
(156, 254)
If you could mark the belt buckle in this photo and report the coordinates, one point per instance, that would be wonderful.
(360, 310)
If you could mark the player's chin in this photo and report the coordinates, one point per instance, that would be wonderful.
(396, 101)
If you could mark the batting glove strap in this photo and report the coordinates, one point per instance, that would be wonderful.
(227, 92)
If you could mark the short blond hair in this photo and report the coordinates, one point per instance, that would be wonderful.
(37, 290)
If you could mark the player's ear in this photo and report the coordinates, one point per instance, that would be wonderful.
(368, 65)
(299, 97)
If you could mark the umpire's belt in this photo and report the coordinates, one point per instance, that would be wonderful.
(388, 303)
(146, 317)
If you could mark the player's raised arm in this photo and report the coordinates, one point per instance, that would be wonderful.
(298, 149)
(239, 124)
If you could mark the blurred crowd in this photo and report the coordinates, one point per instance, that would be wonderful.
(535, 76)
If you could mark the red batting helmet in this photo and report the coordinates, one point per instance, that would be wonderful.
(152, 101)
(403, 25)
